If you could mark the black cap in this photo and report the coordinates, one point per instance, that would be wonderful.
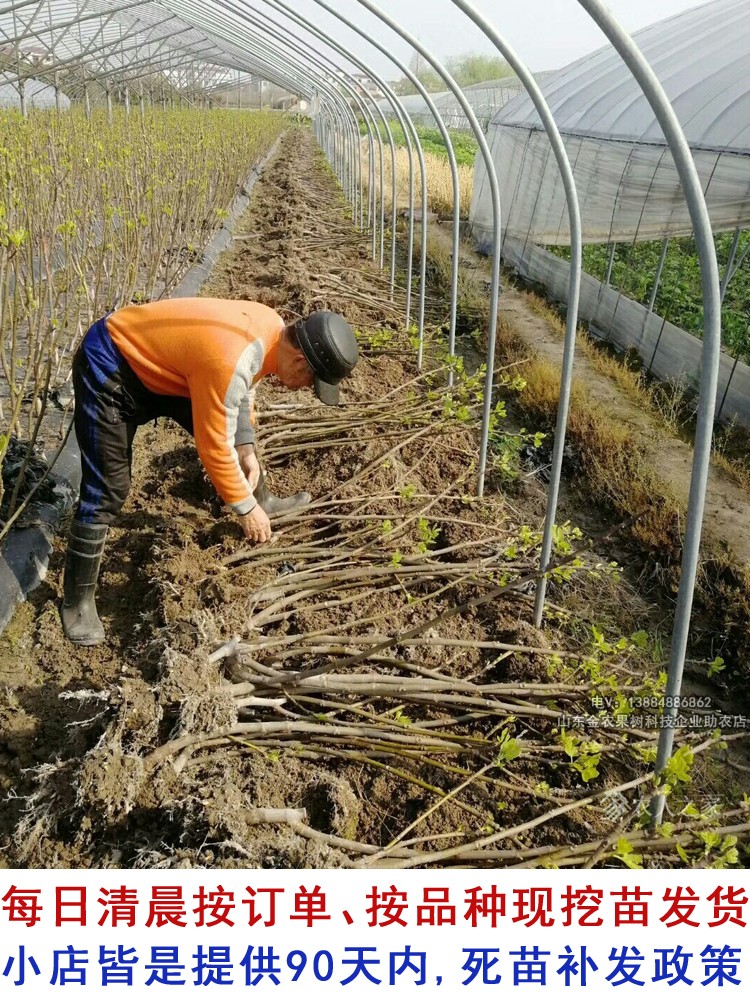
(330, 348)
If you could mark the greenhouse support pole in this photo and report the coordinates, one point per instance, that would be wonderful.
(696, 202)
(114, 74)
(658, 275)
(267, 54)
(423, 171)
(341, 111)
(330, 41)
(374, 138)
(574, 283)
(338, 149)
(127, 91)
(373, 133)
(299, 46)
(456, 190)
(20, 82)
(368, 119)
(325, 142)
(56, 74)
(726, 390)
(340, 119)
(730, 264)
(354, 168)
(393, 100)
(270, 59)
(495, 192)
(333, 137)
(610, 264)
(350, 166)
(423, 174)
(351, 139)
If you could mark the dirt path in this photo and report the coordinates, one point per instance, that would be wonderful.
(727, 520)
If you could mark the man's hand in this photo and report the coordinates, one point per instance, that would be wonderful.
(249, 464)
(256, 526)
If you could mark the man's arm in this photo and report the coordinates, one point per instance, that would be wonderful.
(220, 388)
(215, 423)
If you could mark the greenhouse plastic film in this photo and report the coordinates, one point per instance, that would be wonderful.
(624, 172)
(627, 190)
(626, 178)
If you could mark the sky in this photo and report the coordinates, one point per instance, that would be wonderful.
(547, 34)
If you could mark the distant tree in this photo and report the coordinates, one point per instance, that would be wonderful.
(467, 69)
(474, 67)
(424, 73)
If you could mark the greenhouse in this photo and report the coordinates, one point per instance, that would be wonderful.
(38, 94)
(629, 189)
(485, 100)
(331, 533)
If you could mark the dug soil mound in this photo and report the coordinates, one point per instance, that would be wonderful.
(367, 688)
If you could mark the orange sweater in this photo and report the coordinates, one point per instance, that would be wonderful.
(211, 351)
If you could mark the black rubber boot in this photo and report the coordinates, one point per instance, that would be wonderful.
(80, 620)
(272, 504)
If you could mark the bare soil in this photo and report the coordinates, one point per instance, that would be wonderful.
(153, 750)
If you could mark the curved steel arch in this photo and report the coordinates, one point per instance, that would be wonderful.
(678, 144)
(373, 131)
(107, 50)
(456, 195)
(400, 114)
(495, 194)
(340, 124)
(574, 290)
(298, 47)
(271, 57)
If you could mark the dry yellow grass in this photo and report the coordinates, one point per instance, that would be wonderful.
(736, 469)
(626, 378)
(665, 400)
(607, 451)
(439, 181)
(617, 474)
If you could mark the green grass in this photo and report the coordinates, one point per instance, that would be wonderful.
(679, 299)
(464, 145)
